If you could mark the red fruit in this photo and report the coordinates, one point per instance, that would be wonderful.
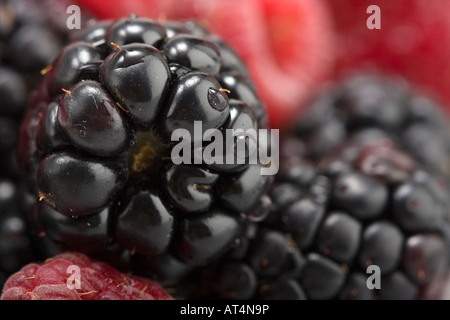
(414, 40)
(286, 44)
(98, 281)
(115, 9)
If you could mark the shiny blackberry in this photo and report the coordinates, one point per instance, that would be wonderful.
(366, 199)
(97, 147)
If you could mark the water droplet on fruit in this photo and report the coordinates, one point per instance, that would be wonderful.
(217, 99)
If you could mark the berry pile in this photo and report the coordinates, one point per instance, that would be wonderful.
(96, 145)
(106, 139)
(375, 198)
(73, 276)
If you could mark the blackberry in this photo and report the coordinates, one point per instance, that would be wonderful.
(370, 107)
(96, 146)
(27, 45)
(30, 37)
(346, 201)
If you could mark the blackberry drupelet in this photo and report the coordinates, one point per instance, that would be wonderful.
(96, 146)
(354, 190)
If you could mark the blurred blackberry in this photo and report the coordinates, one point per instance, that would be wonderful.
(372, 106)
(16, 245)
(31, 35)
(352, 192)
(96, 147)
(27, 45)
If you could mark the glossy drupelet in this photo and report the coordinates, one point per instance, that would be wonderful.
(96, 147)
(355, 189)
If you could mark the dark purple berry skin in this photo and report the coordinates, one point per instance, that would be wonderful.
(415, 208)
(72, 65)
(426, 257)
(352, 192)
(302, 220)
(96, 182)
(338, 237)
(241, 118)
(284, 289)
(242, 191)
(135, 30)
(137, 76)
(205, 237)
(194, 53)
(96, 146)
(241, 88)
(90, 231)
(356, 288)
(48, 134)
(382, 244)
(190, 187)
(274, 256)
(397, 286)
(90, 120)
(245, 281)
(165, 268)
(145, 224)
(321, 277)
(202, 92)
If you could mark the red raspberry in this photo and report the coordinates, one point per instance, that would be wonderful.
(97, 280)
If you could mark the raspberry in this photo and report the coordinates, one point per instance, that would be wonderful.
(96, 145)
(57, 279)
(345, 201)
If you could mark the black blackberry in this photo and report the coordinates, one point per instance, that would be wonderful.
(369, 107)
(29, 39)
(27, 45)
(16, 244)
(347, 200)
(96, 146)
